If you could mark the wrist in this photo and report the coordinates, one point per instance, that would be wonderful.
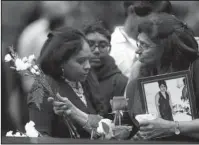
(172, 126)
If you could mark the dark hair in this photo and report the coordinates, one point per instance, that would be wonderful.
(184, 81)
(180, 46)
(59, 47)
(162, 82)
(143, 8)
(99, 27)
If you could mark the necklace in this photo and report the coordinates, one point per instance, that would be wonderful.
(78, 89)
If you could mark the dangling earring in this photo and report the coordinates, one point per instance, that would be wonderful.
(62, 69)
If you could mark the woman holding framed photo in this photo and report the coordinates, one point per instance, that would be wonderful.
(165, 45)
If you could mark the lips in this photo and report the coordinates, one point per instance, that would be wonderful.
(96, 60)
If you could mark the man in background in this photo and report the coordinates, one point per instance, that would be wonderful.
(124, 37)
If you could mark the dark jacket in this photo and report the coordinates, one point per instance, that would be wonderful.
(46, 121)
(112, 82)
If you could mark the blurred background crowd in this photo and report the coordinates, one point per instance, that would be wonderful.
(25, 25)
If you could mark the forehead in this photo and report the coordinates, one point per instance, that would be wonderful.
(162, 85)
(95, 36)
(84, 52)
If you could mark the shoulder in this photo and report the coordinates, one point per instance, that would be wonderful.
(117, 37)
(120, 79)
(157, 95)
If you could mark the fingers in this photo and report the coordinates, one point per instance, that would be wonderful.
(60, 98)
(58, 104)
(144, 122)
(58, 112)
(50, 99)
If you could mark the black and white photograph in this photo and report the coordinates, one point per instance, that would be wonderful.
(169, 97)
(99, 72)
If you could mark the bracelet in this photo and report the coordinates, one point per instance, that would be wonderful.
(177, 128)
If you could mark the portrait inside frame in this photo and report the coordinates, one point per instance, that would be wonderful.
(169, 96)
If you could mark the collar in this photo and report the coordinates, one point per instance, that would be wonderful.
(72, 83)
(120, 36)
(117, 36)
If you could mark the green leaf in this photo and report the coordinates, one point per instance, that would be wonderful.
(105, 127)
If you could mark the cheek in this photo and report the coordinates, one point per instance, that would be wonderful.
(72, 71)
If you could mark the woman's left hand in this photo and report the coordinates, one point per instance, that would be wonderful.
(156, 128)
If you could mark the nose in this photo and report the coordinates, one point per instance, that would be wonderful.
(139, 51)
(96, 50)
(87, 65)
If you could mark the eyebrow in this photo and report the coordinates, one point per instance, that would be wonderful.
(101, 41)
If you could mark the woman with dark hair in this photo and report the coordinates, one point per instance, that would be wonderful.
(165, 45)
(163, 102)
(64, 60)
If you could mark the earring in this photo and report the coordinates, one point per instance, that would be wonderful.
(62, 72)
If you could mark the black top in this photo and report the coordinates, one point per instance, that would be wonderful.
(164, 107)
(46, 121)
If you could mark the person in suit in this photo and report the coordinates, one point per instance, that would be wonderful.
(64, 59)
(123, 39)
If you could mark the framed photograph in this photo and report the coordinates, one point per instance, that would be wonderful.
(169, 96)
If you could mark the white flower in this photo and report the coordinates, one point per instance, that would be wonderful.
(31, 58)
(37, 73)
(9, 133)
(7, 58)
(17, 134)
(25, 59)
(19, 64)
(36, 67)
(27, 65)
(100, 129)
(30, 129)
(32, 70)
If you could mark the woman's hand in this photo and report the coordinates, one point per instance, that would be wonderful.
(61, 105)
(156, 128)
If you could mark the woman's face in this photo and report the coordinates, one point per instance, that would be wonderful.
(148, 51)
(78, 66)
(163, 88)
(99, 46)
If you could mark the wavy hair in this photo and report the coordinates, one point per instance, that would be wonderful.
(180, 46)
(58, 48)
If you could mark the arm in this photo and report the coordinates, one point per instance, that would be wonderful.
(170, 102)
(157, 103)
(132, 91)
(120, 83)
(63, 106)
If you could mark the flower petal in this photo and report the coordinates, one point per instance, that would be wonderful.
(7, 58)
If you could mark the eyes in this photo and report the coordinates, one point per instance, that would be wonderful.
(83, 60)
(141, 44)
(102, 45)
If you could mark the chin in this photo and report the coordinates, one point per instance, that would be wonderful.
(95, 65)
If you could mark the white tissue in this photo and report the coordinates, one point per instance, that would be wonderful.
(141, 117)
